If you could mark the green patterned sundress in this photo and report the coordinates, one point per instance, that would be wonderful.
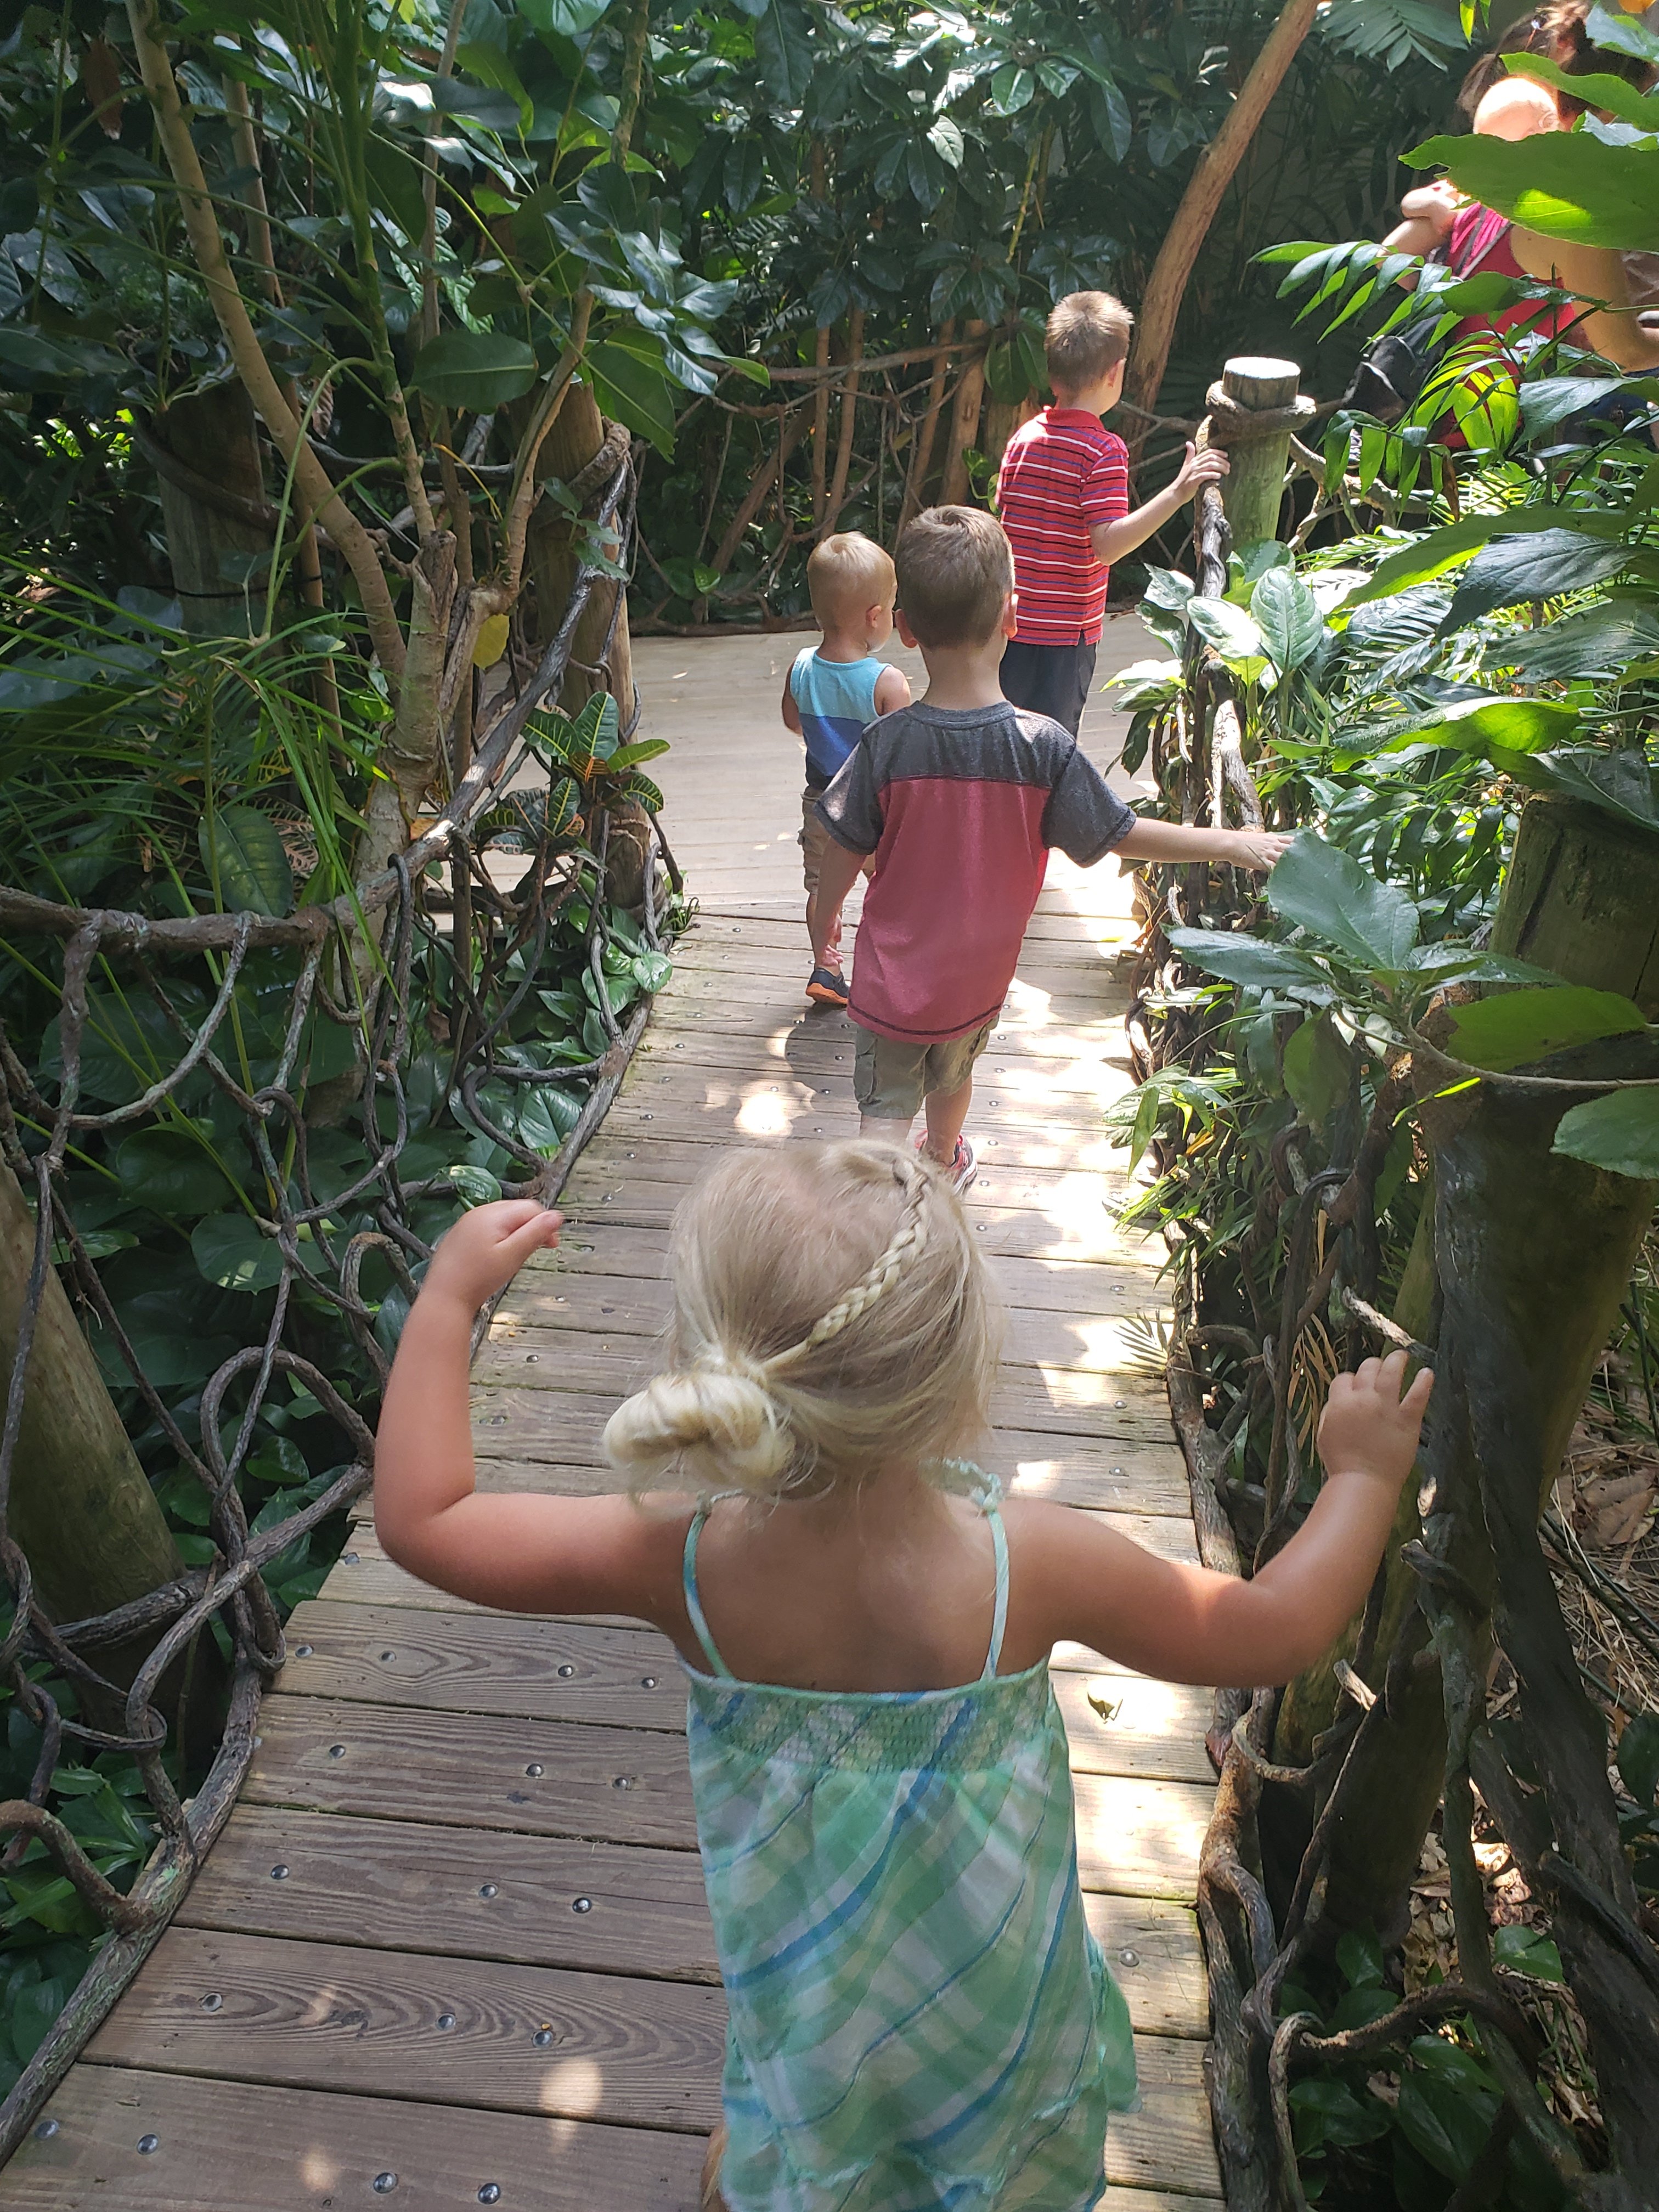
(919, 2020)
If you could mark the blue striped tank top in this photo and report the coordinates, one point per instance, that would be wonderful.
(919, 2019)
(837, 699)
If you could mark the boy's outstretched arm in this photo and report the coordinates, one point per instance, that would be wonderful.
(1152, 840)
(1184, 1624)
(1115, 541)
(532, 1554)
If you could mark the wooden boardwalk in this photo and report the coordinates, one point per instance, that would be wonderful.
(452, 1948)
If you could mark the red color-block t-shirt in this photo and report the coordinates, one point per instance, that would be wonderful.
(1060, 475)
(960, 806)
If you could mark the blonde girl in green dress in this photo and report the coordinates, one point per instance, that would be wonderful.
(918, 2018)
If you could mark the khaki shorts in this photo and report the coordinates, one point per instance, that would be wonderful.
(815, 842)
(890, 1079)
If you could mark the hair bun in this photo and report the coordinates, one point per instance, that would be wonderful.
(720, 1420)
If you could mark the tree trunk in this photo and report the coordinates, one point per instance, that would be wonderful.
(964, 423)
(574, 440)
(217, 553)
(921, 458)
(1552, 1241)
(1216, 165)
(849, 408)
(81, 1507)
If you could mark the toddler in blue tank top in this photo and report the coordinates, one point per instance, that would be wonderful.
(833, 691)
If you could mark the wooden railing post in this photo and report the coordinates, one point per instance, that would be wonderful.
(1255, 490)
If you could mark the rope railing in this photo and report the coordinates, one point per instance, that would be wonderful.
(482, 968)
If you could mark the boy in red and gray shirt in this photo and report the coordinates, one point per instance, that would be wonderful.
(1063, 495)
(959, 798)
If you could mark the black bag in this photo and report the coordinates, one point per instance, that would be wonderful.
(1394, 368)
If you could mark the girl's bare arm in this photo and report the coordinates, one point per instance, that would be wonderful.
(529, 1554)
(1083, 1583)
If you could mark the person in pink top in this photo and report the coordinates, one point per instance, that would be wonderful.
(960, 798)
(1063, 498)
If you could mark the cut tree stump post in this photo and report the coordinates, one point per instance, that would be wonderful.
(1255, 489)
(80, 1506)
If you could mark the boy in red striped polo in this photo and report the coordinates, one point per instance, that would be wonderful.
(1063, 497)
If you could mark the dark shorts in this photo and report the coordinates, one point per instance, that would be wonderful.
(1049, 679)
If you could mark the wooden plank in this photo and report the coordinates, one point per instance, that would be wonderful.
(1140, 1837)
(617, 1335)
(237, 2147)
(470, 1662)
(327, 2017)
(614, 1785)
(1153, 1950)
(477, 2033)
(416, 1890)
(581, 1295)
(1166, 2142)
(1018, 1101)
(1079, 1232)
(1153, 1729)
(607, 1908)
(557, 1404)
(511, 1667)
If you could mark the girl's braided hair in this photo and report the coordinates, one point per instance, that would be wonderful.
(765, 1389)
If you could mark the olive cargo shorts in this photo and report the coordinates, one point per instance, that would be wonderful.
(891, 1078)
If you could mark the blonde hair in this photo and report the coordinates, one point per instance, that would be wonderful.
(956, 569)
(768, 1387)
(1087, 336)
(847, 573)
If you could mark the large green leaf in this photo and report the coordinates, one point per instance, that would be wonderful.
(1620, 784)
(1233, 634)
(1474, 726)
(1522, 1025)
(474, 370)
(632, 385)
(1597, 88)
(243, 853)
(1287, 615)
(1438, 551)
(1256, 964)
(231, 1251)
(1537, 567)
(1565, 183)
(171, 1171)
(1595, 641)
(1619, 1131)
(1317, 1066)
(562, 19)
(1374, 924)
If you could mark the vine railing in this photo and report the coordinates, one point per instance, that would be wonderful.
(367, 966)
(1480, 1583)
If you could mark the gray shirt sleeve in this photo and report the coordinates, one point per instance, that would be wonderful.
(1084, 816)
(850, 809)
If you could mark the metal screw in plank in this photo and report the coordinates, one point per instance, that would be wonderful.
(385, 2183)
(1128, 1958)
(487, 1889)
(279, 1873)
(535, 1770)
(581, 1905)
(148, 2143)
(212, 2001)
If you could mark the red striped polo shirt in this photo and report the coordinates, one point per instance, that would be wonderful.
(1060, 475)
